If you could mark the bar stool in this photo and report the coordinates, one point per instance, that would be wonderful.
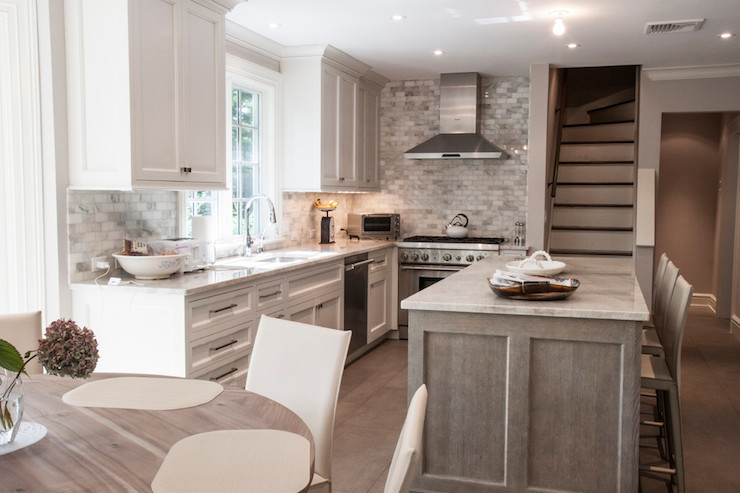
(651, 336)
(662, 374)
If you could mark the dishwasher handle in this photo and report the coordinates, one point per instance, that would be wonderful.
(350, 267)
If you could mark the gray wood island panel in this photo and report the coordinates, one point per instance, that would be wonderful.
(529, 395)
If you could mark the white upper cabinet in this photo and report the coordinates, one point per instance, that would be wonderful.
(325, 113)
(146, 100)
(368, 138)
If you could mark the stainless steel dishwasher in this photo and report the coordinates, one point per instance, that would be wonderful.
(355, 299)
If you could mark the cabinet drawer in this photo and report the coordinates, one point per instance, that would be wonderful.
(217, 347)
(271, 293)
(381, 260)
(208, 315)
(311, 281)
(231, 373)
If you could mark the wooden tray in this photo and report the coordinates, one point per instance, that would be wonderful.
(548, 289)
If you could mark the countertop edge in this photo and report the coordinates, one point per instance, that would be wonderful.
(247, 276)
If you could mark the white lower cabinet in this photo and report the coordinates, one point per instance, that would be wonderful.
(209, 335)
(379, 294)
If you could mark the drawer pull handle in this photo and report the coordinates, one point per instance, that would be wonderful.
(223, 346)
(281, 316)
(270, 295)
(186, 170)
(215, 379)
(233, 305)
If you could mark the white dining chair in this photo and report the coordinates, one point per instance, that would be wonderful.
(300, 366)
(652, 336)
(408, 449)
(663, 375)
(23, 330)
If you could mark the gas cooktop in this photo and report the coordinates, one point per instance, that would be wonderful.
(447, 239)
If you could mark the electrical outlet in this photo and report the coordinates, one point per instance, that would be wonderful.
(95, 261)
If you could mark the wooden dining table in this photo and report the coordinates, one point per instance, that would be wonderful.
(95, 449)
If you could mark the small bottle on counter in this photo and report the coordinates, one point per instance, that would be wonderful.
(518, 233)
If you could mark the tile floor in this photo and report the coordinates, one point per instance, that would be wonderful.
(372, 407)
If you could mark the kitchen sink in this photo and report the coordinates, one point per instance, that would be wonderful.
(272, 259)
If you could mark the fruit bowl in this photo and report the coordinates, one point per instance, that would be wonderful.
(150, 266)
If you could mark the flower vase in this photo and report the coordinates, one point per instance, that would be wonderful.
(11, 406)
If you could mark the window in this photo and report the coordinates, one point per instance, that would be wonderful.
(245, 158)
(252, 118)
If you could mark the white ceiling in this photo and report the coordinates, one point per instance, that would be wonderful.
(498, 37)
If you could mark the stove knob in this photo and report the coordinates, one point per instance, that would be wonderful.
(469, 258)
(414, 256)
(404, 256)
(481, 257)
(447, 257)
(424, 257)
(458, 257)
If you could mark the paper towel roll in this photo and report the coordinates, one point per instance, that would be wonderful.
(204, 228)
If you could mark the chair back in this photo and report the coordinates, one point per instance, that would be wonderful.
(300, 366)
(408, 449)
(23, 330)
(659, 271)
(664, 295)
(675, 322)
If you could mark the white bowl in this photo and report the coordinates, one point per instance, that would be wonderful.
(151, 266)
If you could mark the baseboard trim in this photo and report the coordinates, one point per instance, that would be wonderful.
(704, 300)
(735, 324)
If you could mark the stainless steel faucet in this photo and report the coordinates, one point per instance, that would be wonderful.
(248, 241)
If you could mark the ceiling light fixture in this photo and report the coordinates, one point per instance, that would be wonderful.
(273, 25)
(558, 28)
(438, 52)
(572, 46)
(726, 35)
(398, 17)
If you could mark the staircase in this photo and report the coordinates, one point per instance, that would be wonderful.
(593, 207)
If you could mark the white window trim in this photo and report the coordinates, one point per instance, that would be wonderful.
(251, 76)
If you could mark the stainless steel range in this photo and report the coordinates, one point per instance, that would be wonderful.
(424, 260)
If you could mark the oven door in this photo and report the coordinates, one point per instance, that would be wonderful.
(414, 278)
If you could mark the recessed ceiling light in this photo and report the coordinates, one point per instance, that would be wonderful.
(572, 46)
(558, 28)
(438, 52)
(273, 25)
(726, 35)
(398, 17)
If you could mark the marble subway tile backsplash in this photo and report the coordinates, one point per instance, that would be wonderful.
(97, 222)
(428, 193)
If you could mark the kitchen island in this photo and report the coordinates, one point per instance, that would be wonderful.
(529, 395)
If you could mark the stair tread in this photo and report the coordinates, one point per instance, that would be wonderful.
(590, 228)
(620, 253)
(595, 183)
(617, 122)
(622, 103)
(609, 161)
(593, 205)
(597, 142)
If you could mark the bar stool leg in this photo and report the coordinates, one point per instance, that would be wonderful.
(676, 441)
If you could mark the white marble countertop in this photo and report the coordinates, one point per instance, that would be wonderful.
(226, 275)
(608, 290)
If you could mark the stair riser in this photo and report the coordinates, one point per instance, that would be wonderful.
(596, 173)
(593, 195)
(614, 113)
(592, 217)
(595, 241)
(596, 152)
(599, 133)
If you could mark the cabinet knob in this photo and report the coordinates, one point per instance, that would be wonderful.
(186, 170)
(341, 178)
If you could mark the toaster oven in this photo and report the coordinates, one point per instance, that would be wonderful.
(374, 225)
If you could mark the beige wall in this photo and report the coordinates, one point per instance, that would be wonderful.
(659, 95)
(686, 206)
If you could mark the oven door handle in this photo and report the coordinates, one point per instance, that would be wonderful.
(432, 267)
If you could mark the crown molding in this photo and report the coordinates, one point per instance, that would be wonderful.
(702, 72)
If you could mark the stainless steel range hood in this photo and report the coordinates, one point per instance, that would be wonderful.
(458, 123)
